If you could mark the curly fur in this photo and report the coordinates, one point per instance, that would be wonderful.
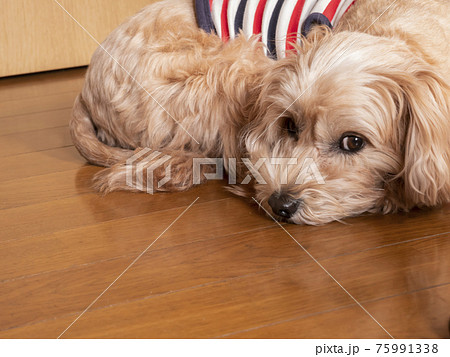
(386, 79)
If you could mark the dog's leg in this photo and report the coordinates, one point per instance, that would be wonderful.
(153, 171)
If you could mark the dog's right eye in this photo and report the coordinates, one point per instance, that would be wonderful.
(291, 128)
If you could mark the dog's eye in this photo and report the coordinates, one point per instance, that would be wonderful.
(351, 143)
(291, 128)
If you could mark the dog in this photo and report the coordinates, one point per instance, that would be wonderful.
(367, 103)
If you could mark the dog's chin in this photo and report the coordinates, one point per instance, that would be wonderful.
(305, 216)
(319, 207)
(310, 216)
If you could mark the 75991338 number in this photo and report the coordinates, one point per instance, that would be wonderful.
(384, 348)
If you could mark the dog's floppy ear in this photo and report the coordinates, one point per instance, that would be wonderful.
(425, 175)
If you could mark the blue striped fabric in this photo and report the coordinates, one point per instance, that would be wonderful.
(271, 34)
(203, 15)
(281, 23)
(239, 21)
(314, 19)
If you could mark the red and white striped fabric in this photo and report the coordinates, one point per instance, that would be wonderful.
(249, 17)
(342, 9)
(280, 22)
(267, 16)
(292, 15)
(219, 9)
(233, 6)
(332, 9)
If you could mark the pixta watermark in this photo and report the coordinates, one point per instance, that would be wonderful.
(141, 166)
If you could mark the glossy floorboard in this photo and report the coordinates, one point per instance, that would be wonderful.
(221, 270)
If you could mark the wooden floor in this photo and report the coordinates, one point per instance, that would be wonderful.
(221, 270)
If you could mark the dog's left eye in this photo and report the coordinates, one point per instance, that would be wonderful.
(291, 128)
(351, 143)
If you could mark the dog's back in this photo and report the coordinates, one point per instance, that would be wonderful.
(423, 24)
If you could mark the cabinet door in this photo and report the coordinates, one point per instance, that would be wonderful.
(39, 35)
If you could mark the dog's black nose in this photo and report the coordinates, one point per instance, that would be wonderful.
(283, 205)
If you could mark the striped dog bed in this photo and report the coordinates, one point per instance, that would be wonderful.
(278, 21)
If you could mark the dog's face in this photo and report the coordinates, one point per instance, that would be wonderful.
(347, 128)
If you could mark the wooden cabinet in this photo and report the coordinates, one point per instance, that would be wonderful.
(38, 35)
